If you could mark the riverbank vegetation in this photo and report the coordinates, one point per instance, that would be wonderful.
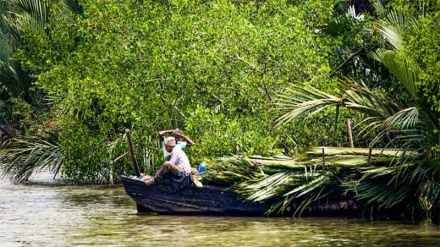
(242, 78)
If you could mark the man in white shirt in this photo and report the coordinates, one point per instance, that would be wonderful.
(178, 163)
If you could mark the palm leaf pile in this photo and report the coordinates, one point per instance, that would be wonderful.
(365, 176)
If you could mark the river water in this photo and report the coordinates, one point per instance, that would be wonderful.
(44, 212)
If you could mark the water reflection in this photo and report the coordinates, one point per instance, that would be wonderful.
(44, 213)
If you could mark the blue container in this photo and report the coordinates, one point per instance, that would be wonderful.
(201, 168)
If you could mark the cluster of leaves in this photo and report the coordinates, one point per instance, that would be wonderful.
(220, 135)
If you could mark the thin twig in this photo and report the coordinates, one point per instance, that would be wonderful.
(346, 61)
(120, 157)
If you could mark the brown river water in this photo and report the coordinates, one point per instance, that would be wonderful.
(44, 212)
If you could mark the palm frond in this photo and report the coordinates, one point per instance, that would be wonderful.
(392, 35)
(390, 187)
(378, 7)
(33, 13)
(22, 158)
(296, 101)
(402, 67)
(351, 12)
(267, 188)
(357, 96)
(308, 187)
(405, 119)
(5, 51)
(393, 24)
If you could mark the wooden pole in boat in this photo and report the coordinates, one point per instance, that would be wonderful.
(369, 155)
(350, 135)
(133, 156)
(139, 207)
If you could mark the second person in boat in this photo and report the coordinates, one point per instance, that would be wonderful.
(177, 134)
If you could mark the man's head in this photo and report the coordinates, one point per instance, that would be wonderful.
(170, 142)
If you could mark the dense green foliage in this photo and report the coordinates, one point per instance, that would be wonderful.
(211, 69)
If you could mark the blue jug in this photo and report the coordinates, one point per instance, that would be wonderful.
(201, 168)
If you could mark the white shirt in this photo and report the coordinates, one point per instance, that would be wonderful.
(179, 158)
(181, 145)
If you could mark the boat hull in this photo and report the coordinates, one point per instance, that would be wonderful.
(191, 200)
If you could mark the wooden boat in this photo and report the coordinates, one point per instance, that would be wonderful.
(209, 200)
(165, 198)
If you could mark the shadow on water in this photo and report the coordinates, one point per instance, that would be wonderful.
(47, 213)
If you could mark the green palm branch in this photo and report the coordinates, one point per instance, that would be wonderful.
(395, 187)
(28, 13)
(19, 159)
